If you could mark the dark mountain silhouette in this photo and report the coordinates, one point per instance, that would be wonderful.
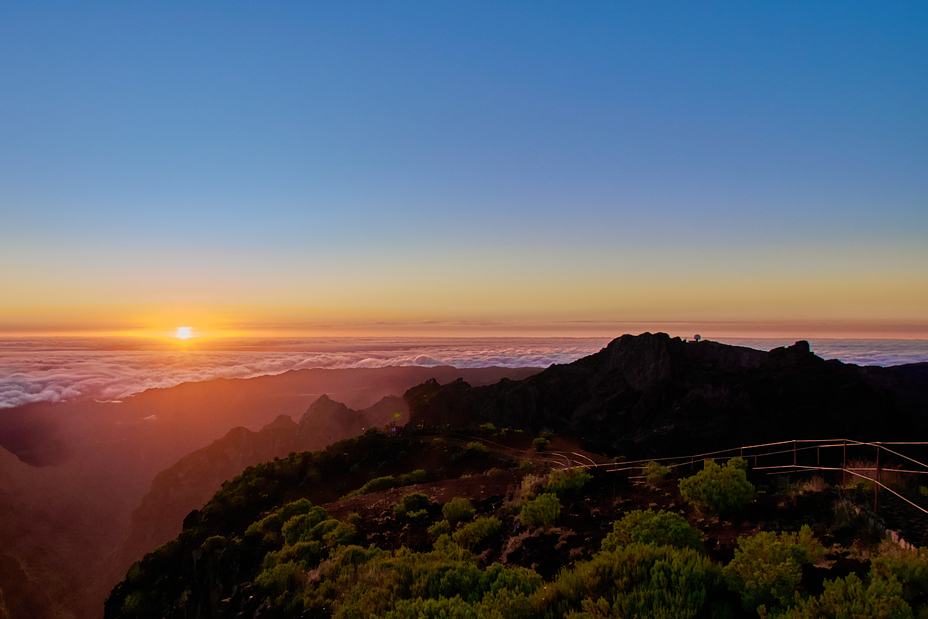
(657, 395)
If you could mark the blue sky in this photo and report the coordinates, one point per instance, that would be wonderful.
(309, 165)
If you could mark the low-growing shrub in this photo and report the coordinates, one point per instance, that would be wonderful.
(297, 527)
(655, 472)
(850, 597)
(440, 528)
(719, 489)
(650, 527)
(909, 567)
(378, 483)
(566, 482)
(541, 443)
(415, 477)
(767, 567)
(475, 532)
(477, 449)
(639, 580)
(411, 503)
(541, 511)
(456, 510)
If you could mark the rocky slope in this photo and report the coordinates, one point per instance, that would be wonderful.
(190, 483)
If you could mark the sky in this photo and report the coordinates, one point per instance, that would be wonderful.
(464, 169)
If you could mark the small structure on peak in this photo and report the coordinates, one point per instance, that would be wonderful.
(697, 337)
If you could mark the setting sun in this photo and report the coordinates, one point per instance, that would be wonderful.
(184, 332)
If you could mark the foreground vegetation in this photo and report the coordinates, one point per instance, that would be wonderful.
(419, 526)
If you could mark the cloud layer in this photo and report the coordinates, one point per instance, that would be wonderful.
(49, 370)
(52, 371)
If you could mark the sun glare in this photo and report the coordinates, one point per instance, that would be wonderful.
(184, 332)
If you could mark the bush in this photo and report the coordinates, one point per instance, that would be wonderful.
(564, 483)
(650, 527)
(911, 569)
(640, 580)
(299, 526)
(440, 528)
(411, 503)
(655, 472)
(848, 597)
(475, 532)
(767, 567)
(477, 449)
(541, 511)
(541, 443)
(457, 509)
(718, 489)
(525, 465)
(378, 483)
(415, 477)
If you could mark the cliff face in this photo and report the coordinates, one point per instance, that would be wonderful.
(656, 395)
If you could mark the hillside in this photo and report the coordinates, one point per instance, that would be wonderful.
(450, 525)
(478, 508)
(82, 468)
(190, 483)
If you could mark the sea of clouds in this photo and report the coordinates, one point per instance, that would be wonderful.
(109, 369)
(54, 370)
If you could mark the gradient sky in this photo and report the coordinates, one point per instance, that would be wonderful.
(464, 167)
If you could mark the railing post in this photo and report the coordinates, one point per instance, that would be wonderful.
(876, 486)
(794, 452)
(844, 466)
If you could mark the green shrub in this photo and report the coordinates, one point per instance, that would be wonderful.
(411, 503)
(718, 489)
(377, 484)
(213, 543)
(475, 532)
(525, 465)
(910, 568)
(354, 519)
(767, 567)
(456, 510)
(541, 443)
(489, 428)
(415, 477)
(440, 528)
(850, 598)
(297, 527)
(655, 472)
(566, 482)
(279, 579)
(640, 580)
(477, 449)
(650, 527)
(541, 511)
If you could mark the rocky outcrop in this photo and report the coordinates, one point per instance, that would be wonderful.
(656, 395)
